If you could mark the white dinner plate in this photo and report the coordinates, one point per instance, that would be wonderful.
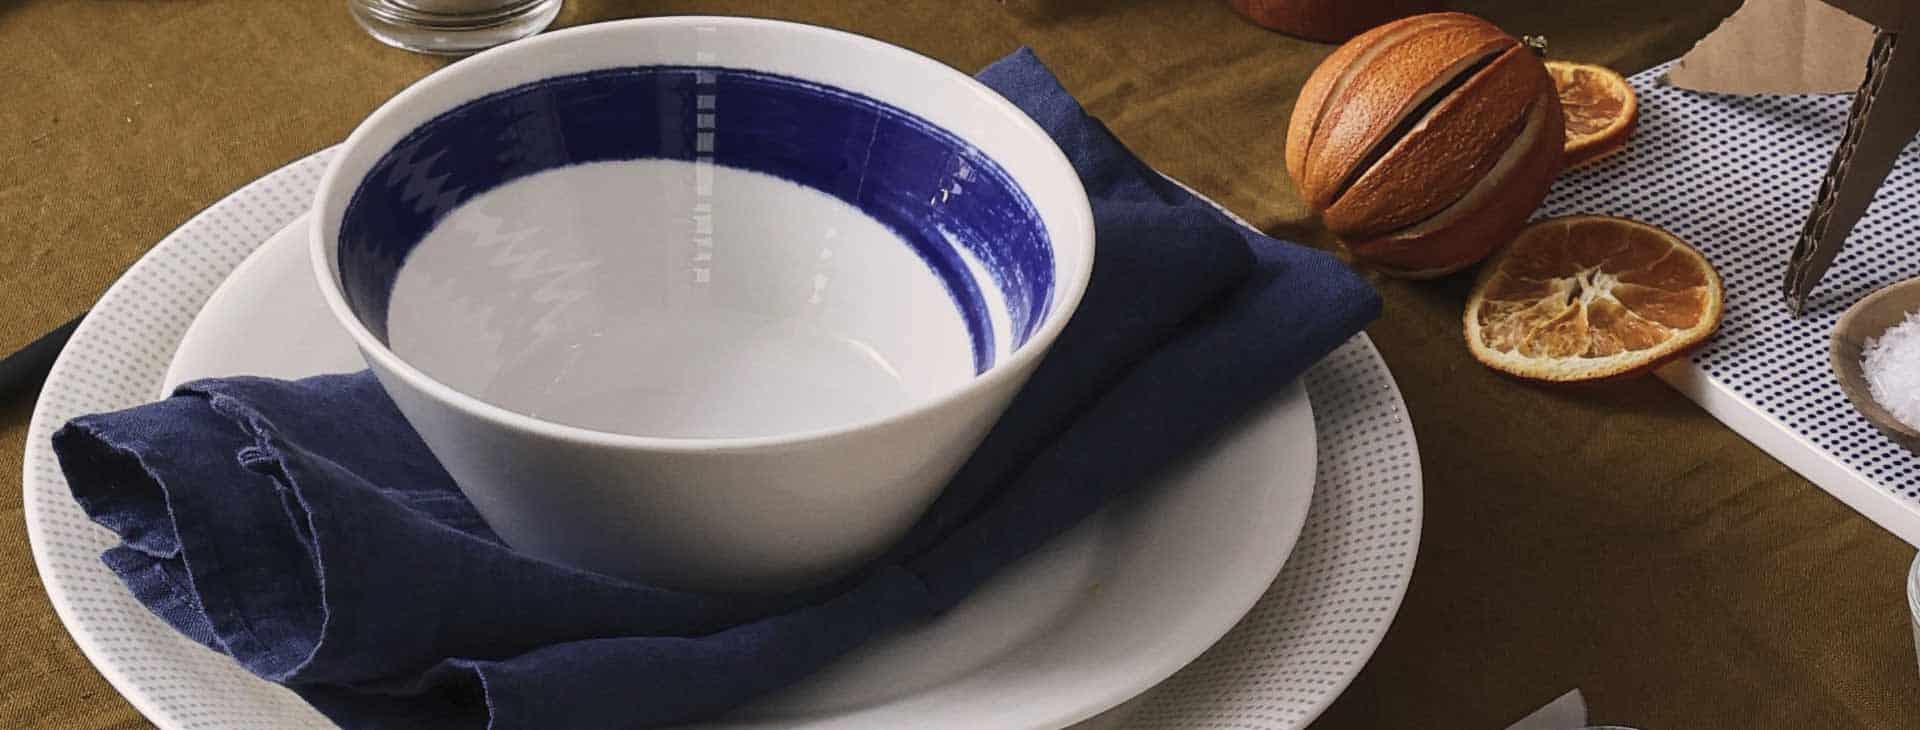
(1099, 615)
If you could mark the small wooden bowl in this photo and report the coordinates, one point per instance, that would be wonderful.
(1867, 319)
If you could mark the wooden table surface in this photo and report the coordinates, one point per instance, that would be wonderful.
(1613, 538)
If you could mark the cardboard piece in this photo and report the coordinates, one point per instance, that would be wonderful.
(1803, 46)
(1884, 117)
(1779, 47)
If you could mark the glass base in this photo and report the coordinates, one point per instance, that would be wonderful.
(452, 27)
(1913, 602)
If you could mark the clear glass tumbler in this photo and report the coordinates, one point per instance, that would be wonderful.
(1913, 603)
(452, 27)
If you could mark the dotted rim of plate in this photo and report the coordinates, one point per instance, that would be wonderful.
(1278, 668)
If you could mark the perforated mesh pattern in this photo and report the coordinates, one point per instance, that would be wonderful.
(115, 360)
(1735, 176)
(1292, 654)
(1320, 621)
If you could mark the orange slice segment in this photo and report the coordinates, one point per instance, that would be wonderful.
(1600, 107)
(1590, 297)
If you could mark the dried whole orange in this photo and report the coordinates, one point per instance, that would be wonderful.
(1591, 297)
(1600, 108)
(1425, 143)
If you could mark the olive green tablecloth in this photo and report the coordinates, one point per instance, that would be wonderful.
(1612, 538)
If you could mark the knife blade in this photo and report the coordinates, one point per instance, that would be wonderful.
(1879, 125)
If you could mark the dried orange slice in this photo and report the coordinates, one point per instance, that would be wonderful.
(1590, 297)
(1600, 109)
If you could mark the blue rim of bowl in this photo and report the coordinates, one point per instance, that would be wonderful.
(1069, 285)
(452, 159)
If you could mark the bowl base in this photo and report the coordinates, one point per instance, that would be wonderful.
(401, 25)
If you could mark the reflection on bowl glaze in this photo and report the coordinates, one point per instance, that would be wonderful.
(720, 246)
(598, 297)
(718, 304)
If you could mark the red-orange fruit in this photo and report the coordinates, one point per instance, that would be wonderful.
(1426, 143)
(1591, 297)
(1600, 107)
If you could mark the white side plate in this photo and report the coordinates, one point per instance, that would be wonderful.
(1099, 615)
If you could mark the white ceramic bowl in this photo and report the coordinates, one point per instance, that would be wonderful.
(715, 303)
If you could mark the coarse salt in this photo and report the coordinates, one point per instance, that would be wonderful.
(1891, 363)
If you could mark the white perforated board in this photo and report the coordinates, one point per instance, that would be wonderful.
(1736, 176)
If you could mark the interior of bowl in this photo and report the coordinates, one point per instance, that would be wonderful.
(1864, 321)
(687, 247)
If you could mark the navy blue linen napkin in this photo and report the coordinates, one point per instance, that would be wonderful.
(303, 529)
